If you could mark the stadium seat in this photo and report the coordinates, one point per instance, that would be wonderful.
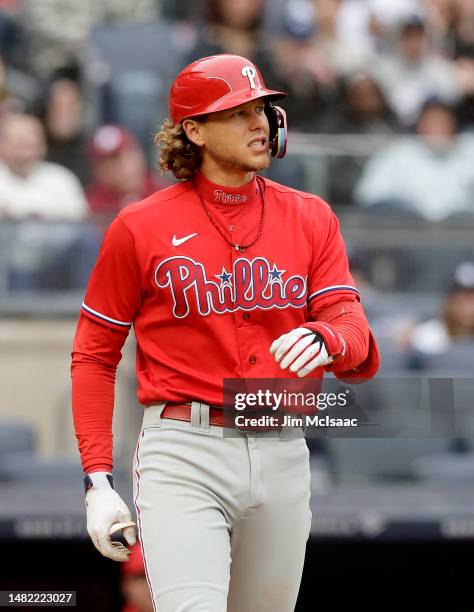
(395, 427)
(16, 436)
(378, 459)
(138, 63)
(27, 467)
(445, 468)
(456, 361)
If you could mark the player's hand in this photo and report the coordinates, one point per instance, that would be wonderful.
(105, 508)
(301, 350)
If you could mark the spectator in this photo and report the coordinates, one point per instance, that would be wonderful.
(230, 26)
(63, 117)
(456, 321)
(37, 193)
(310, 57)
(120, 173)
(133, 583)
(337, 53)
(237, 27)
(413, 72)
(30, 186)
(431, 177)
(364, 109)
(354, 24)
(59, 29)
(294, 70)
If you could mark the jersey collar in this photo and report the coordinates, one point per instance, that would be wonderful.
(226, 196)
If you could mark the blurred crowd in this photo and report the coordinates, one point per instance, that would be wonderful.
(84, 85)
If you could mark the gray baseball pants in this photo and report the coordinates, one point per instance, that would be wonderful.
(223, 518)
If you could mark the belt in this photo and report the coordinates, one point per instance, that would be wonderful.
(182, 412)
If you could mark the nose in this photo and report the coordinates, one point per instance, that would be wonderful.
(258, 121)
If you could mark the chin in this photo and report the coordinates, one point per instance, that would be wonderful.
(259, 163)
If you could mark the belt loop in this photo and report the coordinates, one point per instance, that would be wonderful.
(195, 415)
(152, 414)
(205, 410)
(159, 412)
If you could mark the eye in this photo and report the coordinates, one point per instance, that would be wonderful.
(260, 109)
(238, 113)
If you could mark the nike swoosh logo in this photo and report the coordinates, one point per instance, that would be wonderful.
(178, 241)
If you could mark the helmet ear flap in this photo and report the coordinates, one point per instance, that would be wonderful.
(278, 129)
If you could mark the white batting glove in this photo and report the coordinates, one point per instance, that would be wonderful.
(106, 513)
(301, 350)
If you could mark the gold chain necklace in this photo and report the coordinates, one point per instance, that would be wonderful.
(237, 247)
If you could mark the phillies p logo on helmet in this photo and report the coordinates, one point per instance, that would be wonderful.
(249, 71)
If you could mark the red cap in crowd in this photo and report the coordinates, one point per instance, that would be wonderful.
(109, 140)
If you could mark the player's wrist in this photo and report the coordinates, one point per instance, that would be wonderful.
(333, 339)
(98, 480)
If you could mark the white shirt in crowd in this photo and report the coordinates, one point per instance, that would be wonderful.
(433, 183)
(430, 337)
(50, 191)
(407, 85)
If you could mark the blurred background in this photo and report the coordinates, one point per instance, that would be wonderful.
(381, 117)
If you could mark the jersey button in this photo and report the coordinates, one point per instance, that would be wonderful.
(232, 227)
(246, 316)
(252, 359)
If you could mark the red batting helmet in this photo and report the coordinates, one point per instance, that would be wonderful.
(220, 82)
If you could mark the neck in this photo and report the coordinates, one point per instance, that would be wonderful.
(225, 177)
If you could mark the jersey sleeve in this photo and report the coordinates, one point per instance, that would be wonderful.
(329, 279)
(113, 294)
(95, 356)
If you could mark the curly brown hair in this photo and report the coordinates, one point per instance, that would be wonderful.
(177, 153)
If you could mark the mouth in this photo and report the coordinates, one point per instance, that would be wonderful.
(259, 144)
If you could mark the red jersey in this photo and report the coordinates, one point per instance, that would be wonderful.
(202, 310)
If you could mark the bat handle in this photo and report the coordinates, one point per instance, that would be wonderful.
(119, 526)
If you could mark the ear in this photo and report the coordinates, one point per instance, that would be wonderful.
(194, 131)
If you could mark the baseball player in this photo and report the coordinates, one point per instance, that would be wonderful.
(223, 275)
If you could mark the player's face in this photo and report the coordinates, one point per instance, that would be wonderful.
(236, 140)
